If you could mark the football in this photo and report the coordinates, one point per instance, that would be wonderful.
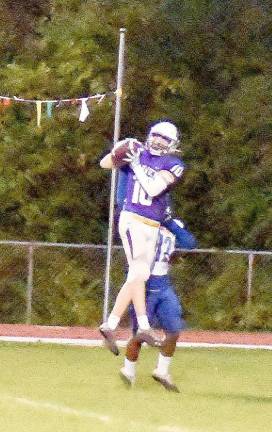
(121, 148)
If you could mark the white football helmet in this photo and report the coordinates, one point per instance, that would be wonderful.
(163, 138)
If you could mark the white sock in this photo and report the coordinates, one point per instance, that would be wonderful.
(163, 364)
(113, 321)
(130, 367)
(143, 322)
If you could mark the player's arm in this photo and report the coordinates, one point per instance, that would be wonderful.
(153, 186)
(184, 238)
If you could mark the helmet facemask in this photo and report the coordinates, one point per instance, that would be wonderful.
(159, 145)
(162, 139)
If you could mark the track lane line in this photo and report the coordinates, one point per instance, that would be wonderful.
(123, 343)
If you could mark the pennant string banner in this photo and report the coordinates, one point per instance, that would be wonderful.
(96, 96)
(101, 98)
(84, 111)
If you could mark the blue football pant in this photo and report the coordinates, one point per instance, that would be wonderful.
(163, 310)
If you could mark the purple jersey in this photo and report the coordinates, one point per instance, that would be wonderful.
(137, 200)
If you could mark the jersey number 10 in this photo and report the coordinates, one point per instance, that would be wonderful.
(139, 195)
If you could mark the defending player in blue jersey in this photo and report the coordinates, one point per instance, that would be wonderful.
(151, 172)
(163, 306)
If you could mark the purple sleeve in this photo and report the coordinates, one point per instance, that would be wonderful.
(175, 166)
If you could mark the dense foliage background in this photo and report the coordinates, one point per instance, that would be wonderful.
(206, 64)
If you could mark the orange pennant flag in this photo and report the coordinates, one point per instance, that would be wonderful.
(6, 101)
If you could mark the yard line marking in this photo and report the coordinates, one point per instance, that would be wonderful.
(151, 427)
(82, 413)
(222, 345)
(171, 429)
(55, 407)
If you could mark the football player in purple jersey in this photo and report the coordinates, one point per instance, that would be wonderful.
(151, 172)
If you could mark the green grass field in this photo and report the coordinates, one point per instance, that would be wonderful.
(48, 388)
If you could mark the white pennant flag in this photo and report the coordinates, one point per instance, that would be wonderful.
(84, 112)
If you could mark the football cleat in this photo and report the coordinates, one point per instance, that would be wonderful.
(165, 381)
(129, 380)
(107, 334)
(149, 337)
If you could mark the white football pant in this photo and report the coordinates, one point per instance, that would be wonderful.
(139, 237)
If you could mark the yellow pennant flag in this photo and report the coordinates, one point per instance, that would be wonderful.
(39, 112)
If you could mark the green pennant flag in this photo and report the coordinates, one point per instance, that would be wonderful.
(49, 109)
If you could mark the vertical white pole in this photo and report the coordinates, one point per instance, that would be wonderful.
(250, 277)
(120, 74)
(29, 285)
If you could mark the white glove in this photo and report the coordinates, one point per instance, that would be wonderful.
(133, 157)
(122, 142)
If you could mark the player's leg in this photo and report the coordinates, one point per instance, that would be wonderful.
(142, 252)
(128, 371)
(150, 336)
(145, 332)
(161, 372)
(136, 294)
(140, 272)
(132, 290)
(139, 242)
(124, 296)
(169, 313)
